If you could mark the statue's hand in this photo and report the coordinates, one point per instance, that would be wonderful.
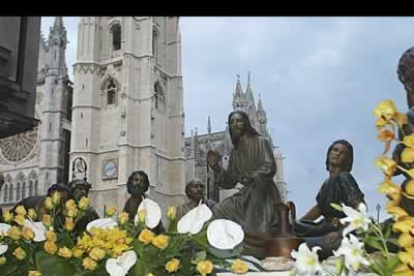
(212, 159)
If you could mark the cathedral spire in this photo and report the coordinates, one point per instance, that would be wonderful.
(58, 25)
(239, 90)
(209, 125)
(238, 101)
(261, 113)
(249, 92)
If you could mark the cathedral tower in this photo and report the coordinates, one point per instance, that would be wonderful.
(128, 106)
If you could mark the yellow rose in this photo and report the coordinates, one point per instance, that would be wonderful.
(70, 224)
(409, 188)
(205, 267)
(20, 220)
(395, 210)
(32, 213)
(409, 140)
(84, 203)
(89, 264)
(20, 210)
(173, 265)
(56, 198)
(48, 203)
(161, 241)
(77, 252)
(392, 190)
(50, 247)
(51, 236)
(47, 220)
(72, 213)
(97, 254)
(239, 267)
(14, 233)
(65, 252)
(19, 253)
(141, 216)
(407, 155)
(406, 258)
(34, 273)
(402, 270)
(404, 225)
(146, 236)
(2, 260)
(27, 234)
(149, 274)
(172, 212)
(70, 204)
(386, 109)
(405, 240)
(110, 211)
(123, 218)
(7, 216)
(387, 165)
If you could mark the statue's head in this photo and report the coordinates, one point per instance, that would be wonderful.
(60, 188)
(340, 154)
(79, 188)
(239, 124)
(195, 190)
(138, 184)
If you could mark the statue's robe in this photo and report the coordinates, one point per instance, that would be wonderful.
(253, 206)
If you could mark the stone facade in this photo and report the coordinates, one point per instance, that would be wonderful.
(128, 107)
(196, 146)
(33, 160)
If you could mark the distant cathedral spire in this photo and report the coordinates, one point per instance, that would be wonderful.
(238, 101)
(209, 125)
(249, 92)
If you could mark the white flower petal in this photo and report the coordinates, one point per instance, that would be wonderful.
(193, 221)
(224, 234)
(104, 223)
(3, 248)
(4, 227)
(121, 265)
(152, 212)
(38, 229)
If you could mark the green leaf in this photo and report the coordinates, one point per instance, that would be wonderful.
(374, 243)
(52, 265)
(200, 256)
(226, 254)
(337, 207)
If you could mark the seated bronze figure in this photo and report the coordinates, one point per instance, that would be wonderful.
(340, 187)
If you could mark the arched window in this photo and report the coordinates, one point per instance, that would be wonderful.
(116, 37)
(111, 92)
(31, 188)
(36, 188)
(11, 193)
(24, 190)
(18, 191)
(158, 93)
(155, 44)
(6, 193)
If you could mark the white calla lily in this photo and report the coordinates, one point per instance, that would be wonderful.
(152, 213)
(307, 262)
(104, 223)
(224, 234)
(121, 265)
(4, 227)
(193, 221)
(3, 248)
(356, 218)
(351, 249)
(38, 229)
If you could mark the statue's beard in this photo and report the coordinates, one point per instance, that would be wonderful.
(236, 134)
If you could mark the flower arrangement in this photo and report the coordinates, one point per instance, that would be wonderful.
(115, 246)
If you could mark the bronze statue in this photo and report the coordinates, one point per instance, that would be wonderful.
(79, 188)
(340, 187)
(137, 186)
(251, 164)
(195, 191)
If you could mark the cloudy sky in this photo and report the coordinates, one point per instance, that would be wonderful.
(319, 79)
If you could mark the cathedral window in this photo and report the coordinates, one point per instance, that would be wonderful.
(31, 188)
(155, 44)
(111, 92)
(6, 193)
(158, 93)
(24, 190)
(36, 187)
(11, 192)
(18, 191)
(116, 37)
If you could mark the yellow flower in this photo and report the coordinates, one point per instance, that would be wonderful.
(50, 247)
(146, 236)
(392, 190)
(387, 165)
(407, 156)
(20, 220)
(141, 216)
(97, 254)
(47, 220)
(51, 236)
(409, 140)
(406, 258)
(65, 252)
(111, 211)
(386, 135)
(72, 213)
(27, 234)
(56, 198)
(405, 240)
(386, 109)
(48, 203)
(381, 123)
(123, 218)
(89, 264)
(404, 225)
(2, 260)
(77, 252)
(403, 270)
(239, 267)
(173, 265)
(70, 224)
(70, 204)
(32, 214)
(34, 273)
(19, 253)
(7, 216)
(161, 241)
(395, 210)
(149, 274)
(20, 210)
(205, 267)
(14, 233)
(84, 203)
(172, 212)
(409, 188)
